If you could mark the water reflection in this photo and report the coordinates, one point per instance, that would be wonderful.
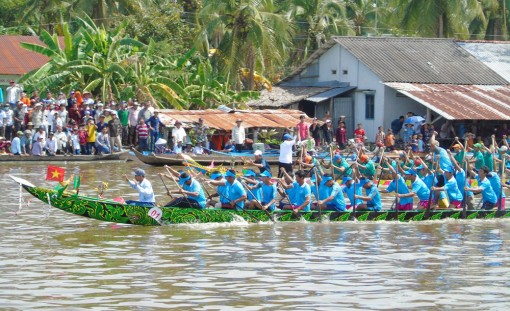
(53, 260)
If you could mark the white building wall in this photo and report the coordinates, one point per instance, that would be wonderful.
(329, 64)
(396, 106)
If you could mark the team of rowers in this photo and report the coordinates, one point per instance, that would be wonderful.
(438, 181)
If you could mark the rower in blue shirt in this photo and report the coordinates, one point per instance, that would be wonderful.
(236, 193)
(398, 184)
(419, 189)
(302, 194)
(349, 191)
(451, 187)
(217, 179)
(372, 198)
(269, 193)
(331, 196)
(439, 153)
(489, 198)
(192, 193)
(254, 188)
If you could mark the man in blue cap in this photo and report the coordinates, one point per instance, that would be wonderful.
(269, 192)
(399, 185)
(217, 179)
(192, 193)
(451, 187)
(372, 198)
(253, 188)
(302, 193)
(144, 188)
(331, 196)
(349, 189)
(339, 164)
(285, 158)
(235, 192)
(419, 189)
(489, 197)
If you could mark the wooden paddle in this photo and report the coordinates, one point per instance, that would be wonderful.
(164, 184)
(427, 212)
(464, 199)
(256, 200)
(500, 203)
(318, 197)
(179, 187)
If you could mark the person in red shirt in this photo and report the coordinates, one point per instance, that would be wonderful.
(359, 133)
(303, 132)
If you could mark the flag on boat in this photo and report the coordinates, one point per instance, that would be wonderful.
(55, 173)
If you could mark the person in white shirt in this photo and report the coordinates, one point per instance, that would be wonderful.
(198, 149)
(3, 122)
(285, 158)
(103, 141)
(38, 146)
(61, 141)
(178, 133)
(51, 145)
(40, 133)
(74, 140)
(238, 135)
(13, 93)
(133, 122)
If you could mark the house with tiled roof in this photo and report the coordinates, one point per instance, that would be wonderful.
(373, 80)
(15, 61)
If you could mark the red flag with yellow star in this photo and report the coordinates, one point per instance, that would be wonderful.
(55, 173)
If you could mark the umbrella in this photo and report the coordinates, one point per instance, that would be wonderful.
(414, 119)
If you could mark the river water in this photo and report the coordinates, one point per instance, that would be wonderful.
(51, 260)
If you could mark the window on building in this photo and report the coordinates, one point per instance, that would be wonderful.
(369, 106)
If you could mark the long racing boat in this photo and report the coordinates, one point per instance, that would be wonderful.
(113, 211)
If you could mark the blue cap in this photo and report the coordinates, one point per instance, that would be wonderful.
(448, 169)
(346, 179)
(337, 157)
(216, 175)
(410, 172)
(325, 179)
(183, 180)
(249, 173)
(265, 174)
(139, 172)
(287, 136)
(363, 181)
(230, 174)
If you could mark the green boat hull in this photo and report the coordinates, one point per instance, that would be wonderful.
(112, 211)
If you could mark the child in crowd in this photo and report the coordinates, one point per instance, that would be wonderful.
(414, 143)
(408, 134)
(75, 141)
(82, 136)
(421, 144)
(389, 141)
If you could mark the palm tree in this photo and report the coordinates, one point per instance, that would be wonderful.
(440, 18)
(247, 33)
(48, 14)
(316, 21)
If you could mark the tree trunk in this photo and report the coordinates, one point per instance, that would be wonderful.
(440, 28)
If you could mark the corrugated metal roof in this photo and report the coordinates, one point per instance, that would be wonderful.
(460, 102)
(495, 55)
(413, 60)
(221, 120)
(329, 94)
(282, 96)
(15, 60)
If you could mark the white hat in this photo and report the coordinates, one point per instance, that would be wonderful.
(258, 152)
(503, 149)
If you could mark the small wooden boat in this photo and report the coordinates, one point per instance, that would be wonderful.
(206, 159)
(69, 158)
(112, 211)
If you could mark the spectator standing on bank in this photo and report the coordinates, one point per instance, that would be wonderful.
(327, 132)
(315, 132)
(302, 129)
(239, 135)
(396, 125)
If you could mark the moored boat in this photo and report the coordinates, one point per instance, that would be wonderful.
(69, 158)
(207, 159)
(112, 211)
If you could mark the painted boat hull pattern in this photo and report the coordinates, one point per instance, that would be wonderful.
(112, 211)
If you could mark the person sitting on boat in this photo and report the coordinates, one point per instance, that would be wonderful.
(192, 193)
(144, 188)
(418, 189)
(399, 186)
(269, 192)
(235, 192)
(38, 147)
(178, 147)
(198, 149)
(229, 146)
(460, 177)
(331, 196)
(489, 198)
(340, 166)
(26, 143)
(349, 189)
(366, 167)
(496, 186)
(253, 188)
(452, 189)
(16, 144)
(372, 198)
(286, 193)
(51, 145)
(103, 142)
(218, 180)
(302, 194)
(260, 162)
